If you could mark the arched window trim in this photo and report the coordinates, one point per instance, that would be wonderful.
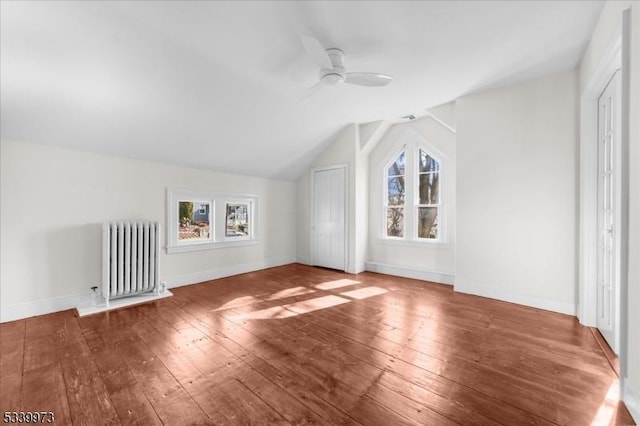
(411, 143)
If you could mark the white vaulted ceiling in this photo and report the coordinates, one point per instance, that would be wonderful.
(218, 85)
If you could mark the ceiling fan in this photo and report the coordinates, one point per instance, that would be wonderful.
(332, 71)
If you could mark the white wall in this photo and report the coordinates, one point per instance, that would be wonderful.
(517, 193)
(362, 148)
(419, 260)
(361, 207)
(445, 113)
(610, 18)
(53, 201)
(303, 218)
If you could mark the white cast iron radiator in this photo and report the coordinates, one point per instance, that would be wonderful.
(130, 254)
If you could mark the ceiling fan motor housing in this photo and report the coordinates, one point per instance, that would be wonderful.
(337, 74)
(332, 70)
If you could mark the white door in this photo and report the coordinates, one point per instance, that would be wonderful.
(608, 267)
(329, 218)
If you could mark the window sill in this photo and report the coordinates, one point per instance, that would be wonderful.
(210, 246)
(414, 243)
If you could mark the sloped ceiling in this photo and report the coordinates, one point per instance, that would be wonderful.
(218, 85)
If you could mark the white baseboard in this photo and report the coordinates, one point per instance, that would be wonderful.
(303, 260)
(90, 309)
(409, 272)
(213, 274)
(56, 304)
(514, 297)
(41, 307)
(492, 293)
(356, 268)
(631, 399)
(352, 268)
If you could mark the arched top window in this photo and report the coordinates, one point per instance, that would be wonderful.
(412, 198)
(395, 199)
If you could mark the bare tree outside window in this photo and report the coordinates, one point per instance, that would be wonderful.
(396, 197)
(429, 196)
(413, 198)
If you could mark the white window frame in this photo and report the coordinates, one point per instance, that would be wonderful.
(217, 220)
(249, 204)
(211, 228)
(385, 200)
(411, 143)
(430, 152)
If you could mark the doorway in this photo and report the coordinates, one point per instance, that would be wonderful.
(601, 228)
(328, 218)
(608, 212)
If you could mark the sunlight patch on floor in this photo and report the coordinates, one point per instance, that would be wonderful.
(275, 312)
(293, 309)
(304, 306)
(609, 406)
(330, 285)
(315, 304)
(290, 292)
(249, 300)
(363, 293)
(237, 302)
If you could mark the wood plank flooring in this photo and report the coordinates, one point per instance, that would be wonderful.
(298, 345)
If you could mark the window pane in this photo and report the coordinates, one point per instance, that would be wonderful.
(237, 220)
(395, 222)
(428, 164)
(427, 222)
(429, 188)
(193, 220)
(395, 191)
(397, 168)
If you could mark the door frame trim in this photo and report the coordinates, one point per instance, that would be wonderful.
(619, 46)
(617, 50)
(588, 220)
(347, 231)
(625, 143)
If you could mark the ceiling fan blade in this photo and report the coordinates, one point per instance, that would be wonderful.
(367, 79)
(311, 91)
(317, 52)
(323, 83)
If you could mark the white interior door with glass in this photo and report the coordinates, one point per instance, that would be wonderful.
(328, 225)
(609, 181)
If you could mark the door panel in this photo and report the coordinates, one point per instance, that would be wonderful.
(608, 211)
(328, 227)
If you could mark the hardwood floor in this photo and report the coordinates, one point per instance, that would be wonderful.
(302, 345)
